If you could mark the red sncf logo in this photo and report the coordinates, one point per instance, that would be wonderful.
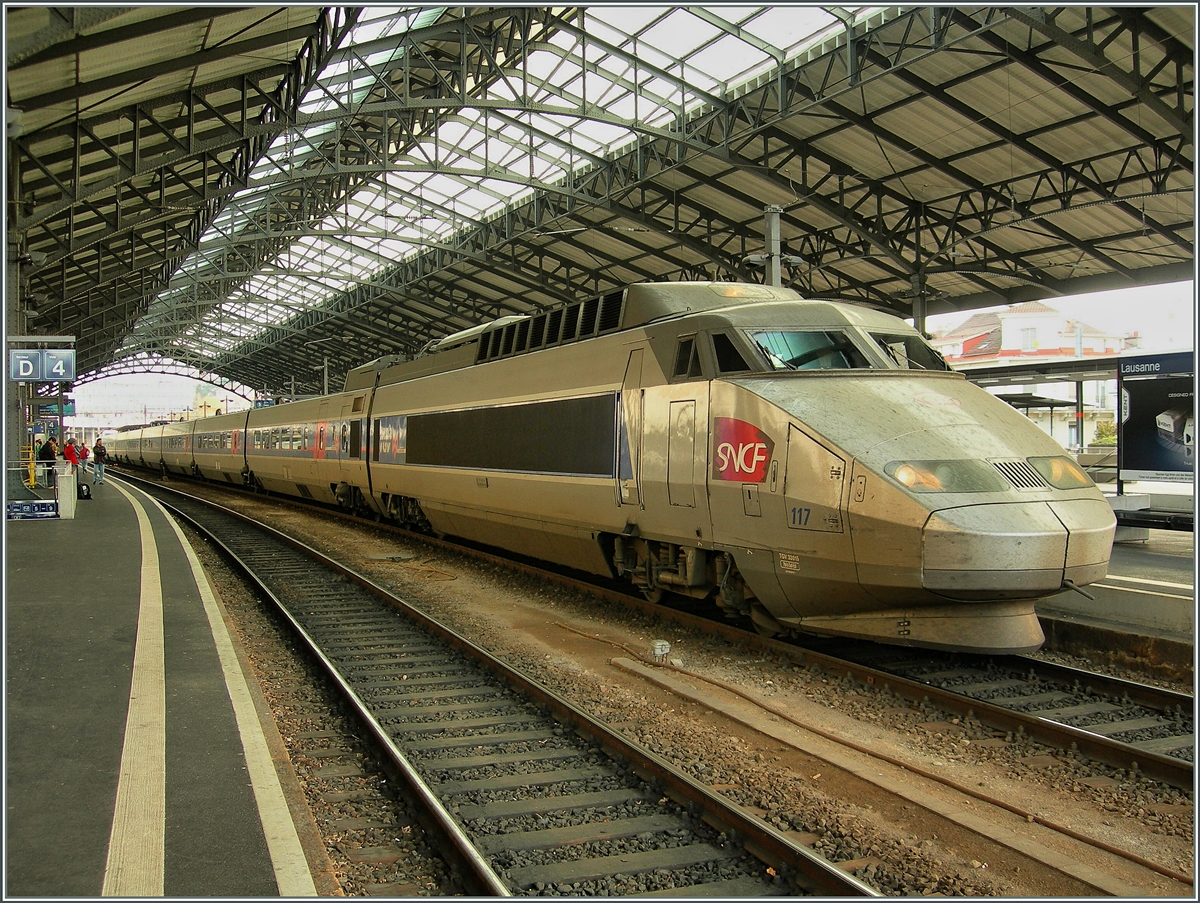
(742, 451)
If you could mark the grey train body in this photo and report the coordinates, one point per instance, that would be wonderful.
(810, 464)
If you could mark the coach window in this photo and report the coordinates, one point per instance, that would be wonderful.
(687, 359)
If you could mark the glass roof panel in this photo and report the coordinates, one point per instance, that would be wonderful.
(680, 57)
(678, 36)
(788, 26)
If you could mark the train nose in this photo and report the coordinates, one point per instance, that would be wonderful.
(1014, 551)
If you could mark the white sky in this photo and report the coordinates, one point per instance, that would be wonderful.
(137, 398)
(1165, 315)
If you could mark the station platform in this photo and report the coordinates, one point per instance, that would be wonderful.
(141, 761)
(1143, 610)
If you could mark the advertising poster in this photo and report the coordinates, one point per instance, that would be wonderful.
(1156, 432)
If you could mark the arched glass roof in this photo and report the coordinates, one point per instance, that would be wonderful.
(571, 102)
(260, 192)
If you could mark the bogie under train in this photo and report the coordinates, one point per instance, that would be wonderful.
(810, 464)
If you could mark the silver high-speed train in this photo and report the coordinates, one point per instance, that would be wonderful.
(813, 465)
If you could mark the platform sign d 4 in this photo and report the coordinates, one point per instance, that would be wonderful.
(50, 365)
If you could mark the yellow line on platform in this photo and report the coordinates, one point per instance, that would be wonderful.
(135, 847)
(1142, 592)
(1148, 582)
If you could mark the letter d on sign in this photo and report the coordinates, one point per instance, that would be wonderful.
(24, 366)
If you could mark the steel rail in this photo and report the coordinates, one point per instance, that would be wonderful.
(1144, 694)
(467, 865)
(1168, 769)
(790, 861)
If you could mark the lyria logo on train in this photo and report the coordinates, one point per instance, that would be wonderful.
(743, 451)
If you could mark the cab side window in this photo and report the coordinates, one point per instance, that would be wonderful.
(729, 359)
(687, 359)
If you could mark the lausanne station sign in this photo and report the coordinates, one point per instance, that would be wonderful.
(1156, 432)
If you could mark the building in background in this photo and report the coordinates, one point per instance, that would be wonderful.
(1026, 330)
(1036, 331)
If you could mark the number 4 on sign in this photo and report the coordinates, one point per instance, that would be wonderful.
(59, 365)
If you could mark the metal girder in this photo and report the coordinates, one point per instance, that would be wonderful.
(191, 61)
(465, 67)
(81, 43)
(113, 230)
(218, 179)
(132, 365)
(195, 127)
(1136, 82)
(894, 233)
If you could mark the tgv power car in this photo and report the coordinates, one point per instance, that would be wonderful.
(811, 464)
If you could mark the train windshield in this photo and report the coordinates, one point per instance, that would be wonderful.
(909, 352)
(816, 350)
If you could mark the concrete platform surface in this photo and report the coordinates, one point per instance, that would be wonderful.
(136, 761)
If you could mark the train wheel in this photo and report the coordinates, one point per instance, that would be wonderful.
(654, 595)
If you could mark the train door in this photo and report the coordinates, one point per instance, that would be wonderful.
(812, 485)
(816, 561)
(629, 442)
(351, 441)
(674, 463)
(681, 454)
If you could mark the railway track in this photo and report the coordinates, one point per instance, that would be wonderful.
(524, 793)
(1123, 724)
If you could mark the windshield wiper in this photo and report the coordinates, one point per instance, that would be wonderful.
(775, 358)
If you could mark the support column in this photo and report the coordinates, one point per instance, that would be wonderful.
(14, 393)
(918, 301)
(771, 216)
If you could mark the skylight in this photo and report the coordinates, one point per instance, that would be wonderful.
(612, 68)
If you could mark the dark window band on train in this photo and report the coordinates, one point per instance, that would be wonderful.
(687, 359)
(572, 436)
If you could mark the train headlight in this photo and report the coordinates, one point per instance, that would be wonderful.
(1061, 473)
(945, 476)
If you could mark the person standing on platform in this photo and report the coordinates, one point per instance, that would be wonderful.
(47, 455)
(99, 457)
(82, 451)
(72, 455)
